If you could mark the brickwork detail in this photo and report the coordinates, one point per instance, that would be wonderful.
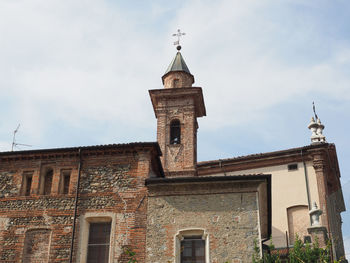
(178, 80)
(182, 105)
(36, 246)
(110, 182)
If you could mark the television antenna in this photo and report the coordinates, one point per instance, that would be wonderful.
(14, 143)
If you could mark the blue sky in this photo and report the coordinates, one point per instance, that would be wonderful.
(78, 72)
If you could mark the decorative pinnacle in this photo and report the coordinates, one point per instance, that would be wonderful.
(316, 128)
(178, 35)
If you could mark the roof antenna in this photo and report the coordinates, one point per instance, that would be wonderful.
(313, 107)
(14, 143)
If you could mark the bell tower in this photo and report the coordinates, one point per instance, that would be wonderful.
(177, 107)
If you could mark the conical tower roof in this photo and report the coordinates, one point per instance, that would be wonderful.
(178, 64)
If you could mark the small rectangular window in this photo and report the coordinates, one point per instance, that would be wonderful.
(27, 183)
(292, 167)
(193, 250)
(98, 242)
(64, 182)
(48, 182)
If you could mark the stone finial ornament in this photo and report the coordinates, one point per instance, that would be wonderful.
(320, 131)
(315, 213)
(316, 128)
(313, 127)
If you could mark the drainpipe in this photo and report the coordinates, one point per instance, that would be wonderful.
(75, 209)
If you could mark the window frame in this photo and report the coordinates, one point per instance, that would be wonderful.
(174, 124)
(63, 174)
(25, 176)
(96, 217)
(42, 180)
(181, 234)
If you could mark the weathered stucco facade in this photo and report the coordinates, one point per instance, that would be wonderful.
(315, 177)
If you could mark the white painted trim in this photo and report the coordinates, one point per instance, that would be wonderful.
(85, 221)
(190, 232)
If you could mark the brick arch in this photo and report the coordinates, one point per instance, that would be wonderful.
(36, 245)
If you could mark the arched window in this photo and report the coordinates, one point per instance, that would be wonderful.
(175, 132)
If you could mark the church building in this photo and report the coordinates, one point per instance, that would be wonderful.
(154, 202)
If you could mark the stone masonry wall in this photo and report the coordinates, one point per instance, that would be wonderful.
(38, 228)
(229, 219)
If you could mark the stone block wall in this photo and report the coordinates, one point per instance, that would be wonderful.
(228, 218)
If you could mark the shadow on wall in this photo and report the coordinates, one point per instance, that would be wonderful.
(241, 202)
(279, 238)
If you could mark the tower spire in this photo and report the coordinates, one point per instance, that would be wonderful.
(177, 74)
(177, 108)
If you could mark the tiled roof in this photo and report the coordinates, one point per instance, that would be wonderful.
(92, 147)
(267, 154)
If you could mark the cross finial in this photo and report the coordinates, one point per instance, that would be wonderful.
(314, 109)
(178, 35)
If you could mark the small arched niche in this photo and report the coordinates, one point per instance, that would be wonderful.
(298, 222)
(36, 245)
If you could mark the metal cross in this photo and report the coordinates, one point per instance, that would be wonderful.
(178, 35)
(314, 109)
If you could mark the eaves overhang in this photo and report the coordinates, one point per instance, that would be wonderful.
(157, 95)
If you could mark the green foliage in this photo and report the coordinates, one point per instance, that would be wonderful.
(300, 253)
(267, 258)
(307, 253)
(131, 254)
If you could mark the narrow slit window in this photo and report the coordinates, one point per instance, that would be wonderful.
(47, 182)
(175, 132)
(98, 244)
(193, 250)
(66, 179)
(64, 182)
(27, 184)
